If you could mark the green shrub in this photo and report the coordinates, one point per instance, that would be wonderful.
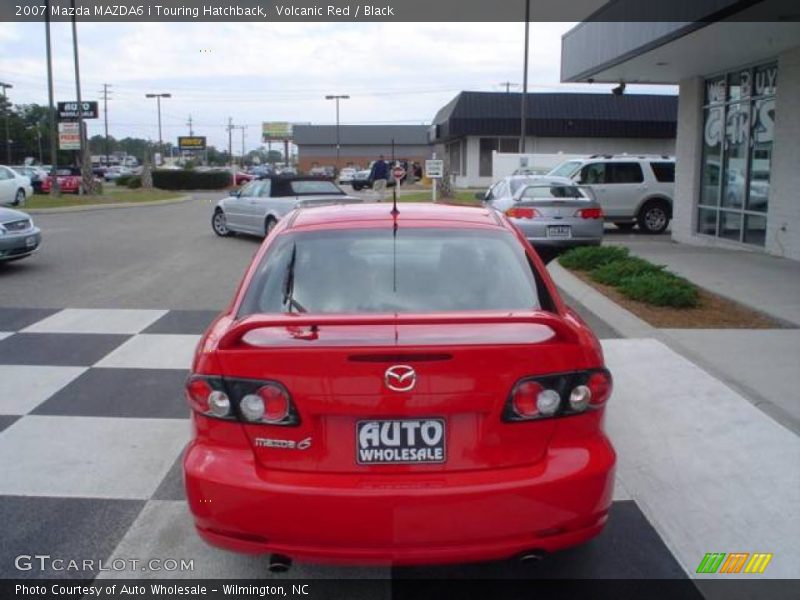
(191, 180)
(612, 273)
(123, 179)
(134, 182)
(660, 288)
(587, 258)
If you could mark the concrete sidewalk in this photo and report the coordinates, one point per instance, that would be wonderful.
(762, 365)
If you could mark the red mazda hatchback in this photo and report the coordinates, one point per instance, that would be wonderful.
(401, 388)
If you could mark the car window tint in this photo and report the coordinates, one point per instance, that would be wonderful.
(664, 171)
(370, 271)
(5, 173)
(593, 174)
(250, 189)
(266, 185)
(314, 187)
(551, 192)
(566, 169)
(624, 173)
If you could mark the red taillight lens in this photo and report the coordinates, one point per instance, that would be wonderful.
(600, 384)
(276, 403)
(589, 213)
(523, 212)
(523, 399)
(197, 392)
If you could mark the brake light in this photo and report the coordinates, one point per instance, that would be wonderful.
(560, 395)
(589, 213)
(523, 212)
(263, 402)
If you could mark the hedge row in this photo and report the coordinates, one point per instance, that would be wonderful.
(634, 277)
(191, 180)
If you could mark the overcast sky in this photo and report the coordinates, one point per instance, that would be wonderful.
(255, 72)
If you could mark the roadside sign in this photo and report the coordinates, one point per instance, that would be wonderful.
(398, 172)
(69, 110)
(69, 136)
(191, 142)
(434, 169)
(276, 131)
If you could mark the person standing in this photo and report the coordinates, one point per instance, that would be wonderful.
(379, 174)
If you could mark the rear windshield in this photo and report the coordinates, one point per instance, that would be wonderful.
(315, 187)
(372, 271)
(553, 192)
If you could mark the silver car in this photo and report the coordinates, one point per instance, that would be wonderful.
(552, 213)
(257, 206)
(18, 235)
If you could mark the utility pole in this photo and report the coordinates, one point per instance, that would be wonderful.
(508, 85)
(189, 123)
(524, 99)
(87, 177)
(230, 149)
(242, 127)
(54, 191)
(338, 144)
(105, 93)
(7, 110)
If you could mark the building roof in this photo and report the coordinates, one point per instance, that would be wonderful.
(558, 115)
(361, 135)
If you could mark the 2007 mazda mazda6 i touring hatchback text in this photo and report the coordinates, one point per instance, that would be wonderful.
(398, 387)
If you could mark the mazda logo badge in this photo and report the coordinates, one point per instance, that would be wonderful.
(400, 378)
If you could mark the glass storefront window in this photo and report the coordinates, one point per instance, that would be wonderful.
(739, 117)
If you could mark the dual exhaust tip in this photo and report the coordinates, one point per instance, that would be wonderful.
(278, 563)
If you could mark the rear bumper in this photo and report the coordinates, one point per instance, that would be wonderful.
(409, 518)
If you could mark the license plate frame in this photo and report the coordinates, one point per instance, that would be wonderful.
(419, 452)
(559, 232)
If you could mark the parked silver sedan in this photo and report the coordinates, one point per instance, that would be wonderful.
(18, 235)
(553, 213)
(257, 206)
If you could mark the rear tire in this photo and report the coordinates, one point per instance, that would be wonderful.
(219, 224)
(654, 216)
(19, 199)
(625, 225)
(269, 225)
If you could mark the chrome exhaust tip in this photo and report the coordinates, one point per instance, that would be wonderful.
(278, 563)
(531, 556)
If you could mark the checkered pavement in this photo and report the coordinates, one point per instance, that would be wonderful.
(92, 429)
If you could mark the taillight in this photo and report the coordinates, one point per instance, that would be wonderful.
(523, 212)
(558, 395)
(589, 213)
(251, 401)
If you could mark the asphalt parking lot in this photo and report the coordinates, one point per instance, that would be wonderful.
(96, 335)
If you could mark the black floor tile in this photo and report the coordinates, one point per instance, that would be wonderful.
(7, 420)
(183, 321)
(69, 528)
(140, 393)
(171, 487)
(15, 319)
(58, 349)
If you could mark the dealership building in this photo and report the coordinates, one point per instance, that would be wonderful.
(738, 136)
(472, 127)
(359, 144)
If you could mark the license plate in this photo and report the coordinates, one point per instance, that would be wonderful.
(30, 242)
(400, 442)
(559, 231)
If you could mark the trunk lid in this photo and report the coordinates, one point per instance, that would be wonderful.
(336, 373)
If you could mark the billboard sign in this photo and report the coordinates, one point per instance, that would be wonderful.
(69, 136)
(191, 142)
(69, 110)
(276, 131)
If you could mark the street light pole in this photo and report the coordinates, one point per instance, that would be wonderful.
(158, 98)
(54, 190)
(338, 144)
(524, 101)
(6, 86)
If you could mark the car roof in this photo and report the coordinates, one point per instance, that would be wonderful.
(622, 158)
(369, 214)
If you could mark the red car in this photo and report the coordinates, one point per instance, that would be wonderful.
(398, 388)
(69, 181)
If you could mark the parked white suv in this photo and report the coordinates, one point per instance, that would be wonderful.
(631, 189)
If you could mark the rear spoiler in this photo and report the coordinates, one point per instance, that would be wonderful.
(239, 329)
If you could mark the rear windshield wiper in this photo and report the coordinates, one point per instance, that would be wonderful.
(288, 284)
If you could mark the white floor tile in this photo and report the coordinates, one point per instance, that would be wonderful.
(89, 456)
(153, 351)
(5, 334)
(23, 388)
(81, 320)
(165, 530)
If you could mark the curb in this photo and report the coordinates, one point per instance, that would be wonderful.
(88, 207)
